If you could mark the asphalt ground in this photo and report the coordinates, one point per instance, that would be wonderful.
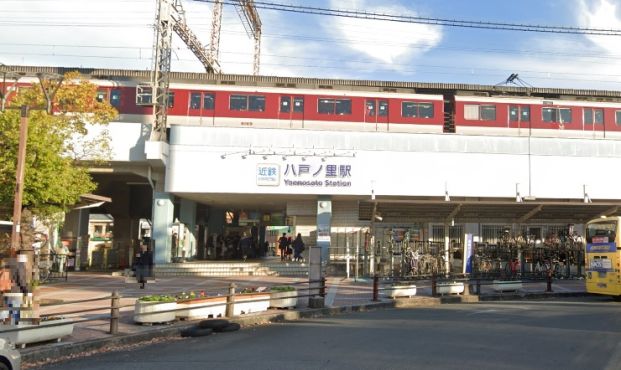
(567, 333)
(341, 295)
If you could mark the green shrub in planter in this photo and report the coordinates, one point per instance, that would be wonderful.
(157, 298)
(283, 288)
(283, 296)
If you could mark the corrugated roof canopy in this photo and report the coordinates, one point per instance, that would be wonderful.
(486, 210)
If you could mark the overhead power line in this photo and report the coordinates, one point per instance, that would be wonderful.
(358, 14)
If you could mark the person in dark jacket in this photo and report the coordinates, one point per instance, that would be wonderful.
(245, 245)
(282, 246)
(298, 248)
(144, 265)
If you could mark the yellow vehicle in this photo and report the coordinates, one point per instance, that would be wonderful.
(603, 255)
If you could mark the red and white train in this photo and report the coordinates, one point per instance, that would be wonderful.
(357, 109)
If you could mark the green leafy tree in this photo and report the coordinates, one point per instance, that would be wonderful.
(58, 145)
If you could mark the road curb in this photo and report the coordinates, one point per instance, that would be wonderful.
(529, 296)
(67, 350)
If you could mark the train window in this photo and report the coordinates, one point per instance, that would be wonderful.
(488, 113)
(298, 104)
(256, 103)
(238, 102)
(549, 114)
(171, 99)
(618, 117)
(471, 112)
(285, 104)
(425, 110)
(525, 114)
(371, 108)
(565, 114)
(514, 114)
(115, 98)
(480, 112)
(325, 106)
(592, 116)
(383, 108)
(598, 115)
(343, 106)
(209, 101)
(556, 115)
(409, 109)
(334, 106)
(195, 100)
(101, 96)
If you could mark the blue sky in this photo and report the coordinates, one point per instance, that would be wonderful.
(119, 34)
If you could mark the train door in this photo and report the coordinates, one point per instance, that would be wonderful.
(376, 113)
(291, 111)
(593, 119)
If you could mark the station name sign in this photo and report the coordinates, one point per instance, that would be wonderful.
(305, 175)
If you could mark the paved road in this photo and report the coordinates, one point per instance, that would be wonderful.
(553, 334)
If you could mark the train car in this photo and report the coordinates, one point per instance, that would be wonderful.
(272, 107)
(361, 109)
(522, 116)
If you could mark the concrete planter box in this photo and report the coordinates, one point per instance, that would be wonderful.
(210, 307)
(260, 302)
(506, 285)
(400, 290)
(151, 312)
(45, 331)
(450, 288)
(284, 299)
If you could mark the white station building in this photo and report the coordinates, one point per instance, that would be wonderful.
(354, 193)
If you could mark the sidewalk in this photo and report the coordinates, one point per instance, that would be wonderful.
(341, 295)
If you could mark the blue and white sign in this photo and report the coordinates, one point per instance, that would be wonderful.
(268, 174)
(468, 252)
(601, 247)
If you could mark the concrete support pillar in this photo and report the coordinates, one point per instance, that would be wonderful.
(125, 233)
(76, 229)
(163, 211)
(187, 215)
(324, 225)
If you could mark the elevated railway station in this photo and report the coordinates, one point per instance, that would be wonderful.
(368, 170)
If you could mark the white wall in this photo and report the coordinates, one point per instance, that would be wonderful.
(394, 164)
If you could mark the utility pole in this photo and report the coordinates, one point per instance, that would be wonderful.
(23, 265)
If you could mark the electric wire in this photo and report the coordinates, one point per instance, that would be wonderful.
(358, 14)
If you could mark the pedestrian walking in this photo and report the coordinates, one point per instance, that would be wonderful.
(282, 246)
(144, 265)
(298, 248)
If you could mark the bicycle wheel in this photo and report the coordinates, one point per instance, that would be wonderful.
(44, 274)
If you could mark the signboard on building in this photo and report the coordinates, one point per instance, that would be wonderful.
(305, 175)
(268, 174)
